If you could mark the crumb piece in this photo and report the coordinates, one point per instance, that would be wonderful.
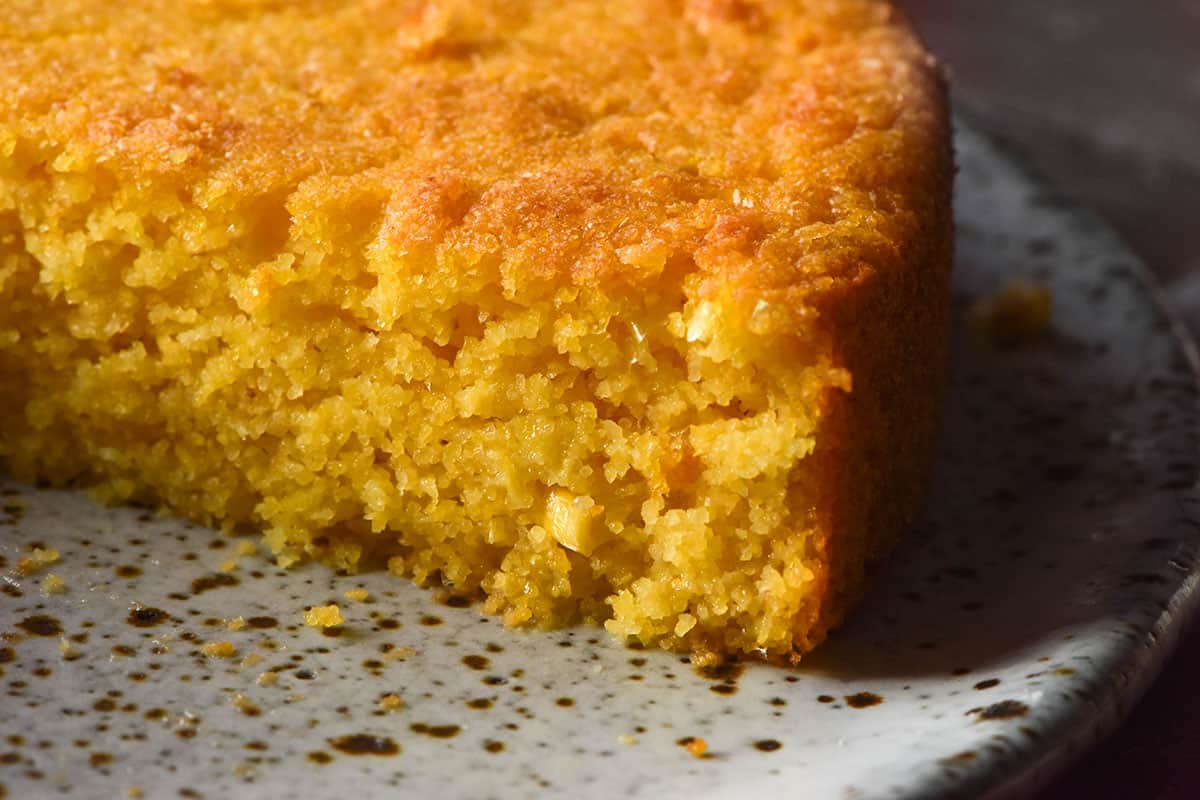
(626, 739)
(358, 595)
(245, 705)
(134, 792)
(399, 654)
(53, 584)
(323, 616)
(251, 659)
(245, 547)
(223, 649)
(391, 702)
(244, 769)
(268, 678)
(69, 651)
(235, 624)
(293, 698)
(228, 566)
(1016, 315)
(697, 747)
(36, 560)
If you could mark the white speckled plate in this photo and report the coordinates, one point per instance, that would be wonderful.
(1018, 622)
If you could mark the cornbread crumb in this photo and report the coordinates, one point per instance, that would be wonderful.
(245, 547)
(697, 747)
(627, 739)
(244, 704)
(134, 792)
(235, 624)
(323, 616)
(358, 595)
(391, 702)
(35, 561)
(222, 649)
(251, 660)
(1018, 314)
(398, 654)
(227, 566)
(53, 584)
(68, 651)
(268, 678)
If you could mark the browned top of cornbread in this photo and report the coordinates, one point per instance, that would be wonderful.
(779, 146)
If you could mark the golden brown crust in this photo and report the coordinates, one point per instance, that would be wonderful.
(776, 141)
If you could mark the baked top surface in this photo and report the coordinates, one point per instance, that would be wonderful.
(782, 146)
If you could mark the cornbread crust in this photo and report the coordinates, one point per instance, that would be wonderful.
(629, 310)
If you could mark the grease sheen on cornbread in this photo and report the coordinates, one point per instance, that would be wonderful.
(624, 310)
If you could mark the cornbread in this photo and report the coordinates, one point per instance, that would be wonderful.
(629, 311)
(323, 616)
(223, 649)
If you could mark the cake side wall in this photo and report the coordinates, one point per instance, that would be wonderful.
(875, 450)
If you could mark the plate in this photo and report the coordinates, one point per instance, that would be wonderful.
(1015, 625)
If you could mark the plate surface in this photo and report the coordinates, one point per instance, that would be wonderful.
(1018, 622)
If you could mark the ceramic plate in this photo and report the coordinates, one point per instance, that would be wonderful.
(1015, 625)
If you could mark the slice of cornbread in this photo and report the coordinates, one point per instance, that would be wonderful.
(624, 310)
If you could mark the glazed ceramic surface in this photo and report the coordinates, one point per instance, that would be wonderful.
(1016, 624)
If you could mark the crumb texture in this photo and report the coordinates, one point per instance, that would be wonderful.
(622, 310)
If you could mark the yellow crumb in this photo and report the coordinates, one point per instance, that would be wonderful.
(697, 747)
(251, 659)
(323, 616)
(223, 649)
(228, 566)
(626, 739)
(69, 651)
(245, 547)
(53, 584)
(391, 702)
(36, 560)
(1017, 314)
(244, 704)
(134, 792)
(358, 595)
(399, 654)
(235, 624)
(267, 678)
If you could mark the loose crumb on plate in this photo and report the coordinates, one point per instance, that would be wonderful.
(267, 678)
(697, 747)
(323, 616)
(53, 584)
(399, 654)
(68, 651)
(36, 561)
(1017, 314)
(391, 702)
(222, 649)
(358, 595)
(251, 659)
(245, 705)
(235, 624)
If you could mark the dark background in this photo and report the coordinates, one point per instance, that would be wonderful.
(1103, 96)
